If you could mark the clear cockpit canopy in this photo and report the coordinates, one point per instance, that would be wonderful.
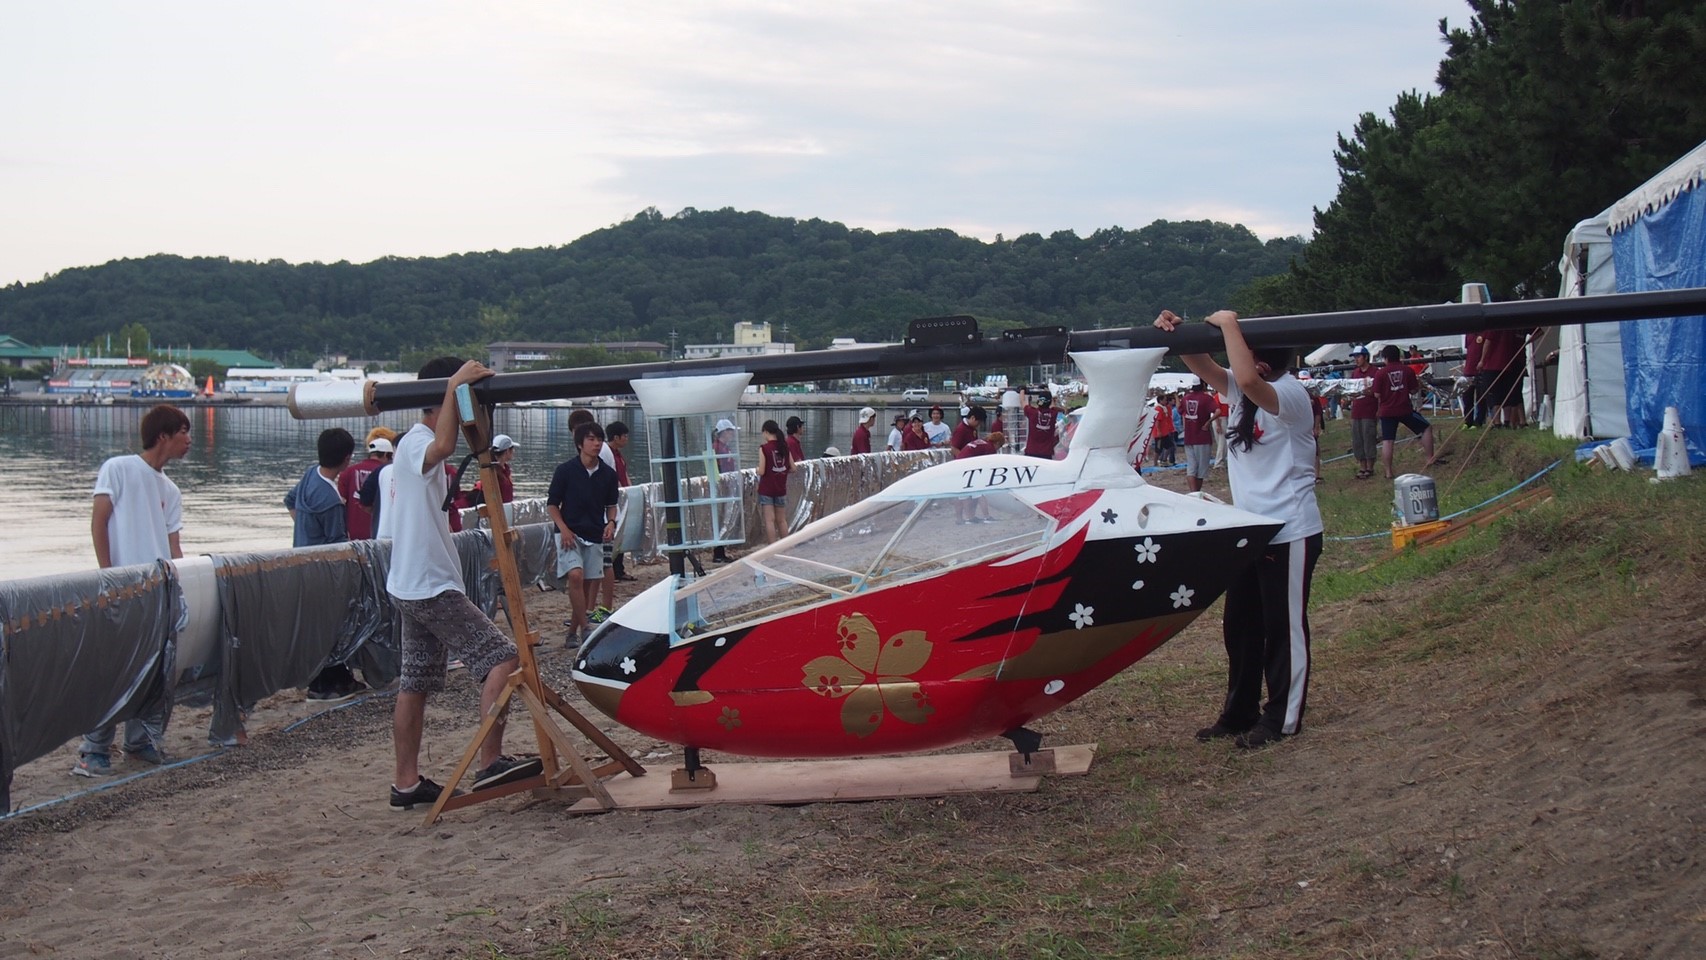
(875, 544)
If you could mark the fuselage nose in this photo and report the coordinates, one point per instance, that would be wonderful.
(617, 653)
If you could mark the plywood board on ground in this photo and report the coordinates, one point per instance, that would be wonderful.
(827, 781)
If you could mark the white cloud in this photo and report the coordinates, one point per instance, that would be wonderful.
(323, 130)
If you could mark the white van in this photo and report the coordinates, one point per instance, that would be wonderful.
(914, 393)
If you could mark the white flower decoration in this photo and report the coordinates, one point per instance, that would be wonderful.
(1147, 551)
(1137, 584)
(1081, 616)
(1182, 596)
(628, 665)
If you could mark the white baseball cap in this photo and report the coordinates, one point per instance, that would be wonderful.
(866, 413)
(726, 424)
(503, 442)
(380, 445)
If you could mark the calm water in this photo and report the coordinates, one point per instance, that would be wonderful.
(242, 460)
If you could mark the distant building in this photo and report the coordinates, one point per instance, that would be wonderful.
(64, 357)
(509, 354)
(750, 340)
(223, 358)
(17, 353)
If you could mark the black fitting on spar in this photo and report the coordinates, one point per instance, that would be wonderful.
(949, 343)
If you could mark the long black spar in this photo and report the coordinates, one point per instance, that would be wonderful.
(953, 343)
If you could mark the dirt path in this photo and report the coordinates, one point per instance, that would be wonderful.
(1543, 801)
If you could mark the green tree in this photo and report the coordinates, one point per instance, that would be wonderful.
(1547, 112)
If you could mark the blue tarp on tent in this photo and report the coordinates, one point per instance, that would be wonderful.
(1662, 246)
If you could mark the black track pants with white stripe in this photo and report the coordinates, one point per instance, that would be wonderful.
(1267, 638)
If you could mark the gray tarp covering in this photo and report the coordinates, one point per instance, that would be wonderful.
(283, 615)
(79, 652)
(286, 614)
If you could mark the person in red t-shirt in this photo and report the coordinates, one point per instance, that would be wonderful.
(1163, 431)
(774, 465)
(357, 517)
(1474, 413)
(1197, 408)
(913, 437)
(970, 426)
(795, 425)
(503, 455)
(974, 509)
(1365, 417)
(1504, 365)
(862, 433)
(1041, 434)
(1393, 385)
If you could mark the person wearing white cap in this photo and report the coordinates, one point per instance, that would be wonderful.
(358, 517)
(896, 432)
(722, 441)
(503, 455)
(862, 432)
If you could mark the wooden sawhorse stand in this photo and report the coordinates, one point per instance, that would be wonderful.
(566, 772)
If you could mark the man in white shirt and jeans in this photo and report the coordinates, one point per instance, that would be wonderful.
(137, 516)
(425, 584)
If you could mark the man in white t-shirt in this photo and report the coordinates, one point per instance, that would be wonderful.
(137, 516)
(425, 584)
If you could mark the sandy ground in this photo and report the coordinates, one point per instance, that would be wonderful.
(288, 847)
(1553, 811)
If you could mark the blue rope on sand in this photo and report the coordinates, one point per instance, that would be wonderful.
(1493, 499)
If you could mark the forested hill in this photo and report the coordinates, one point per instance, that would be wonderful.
(695, 273)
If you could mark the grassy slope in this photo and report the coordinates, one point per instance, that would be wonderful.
(1155, 853)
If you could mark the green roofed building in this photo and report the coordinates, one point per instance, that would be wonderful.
(20, 354)
(17, 353)
(224, 358)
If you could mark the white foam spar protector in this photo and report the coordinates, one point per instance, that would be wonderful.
(321, 400)
(197, 643)
(686, 396)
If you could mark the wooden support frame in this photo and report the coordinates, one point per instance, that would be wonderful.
(565, 770)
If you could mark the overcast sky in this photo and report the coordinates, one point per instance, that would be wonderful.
(350, 130)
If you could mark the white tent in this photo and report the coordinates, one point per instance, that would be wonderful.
(1589, 400)
(1341, 352)
(1592, 395)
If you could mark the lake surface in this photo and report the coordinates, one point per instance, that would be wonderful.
(243, 459)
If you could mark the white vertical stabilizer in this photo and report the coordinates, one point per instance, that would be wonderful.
(1118, 380)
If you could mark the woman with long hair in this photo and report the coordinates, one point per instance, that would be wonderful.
(774, 465)
(1270, 445)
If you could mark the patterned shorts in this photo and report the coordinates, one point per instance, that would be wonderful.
(448, 621)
